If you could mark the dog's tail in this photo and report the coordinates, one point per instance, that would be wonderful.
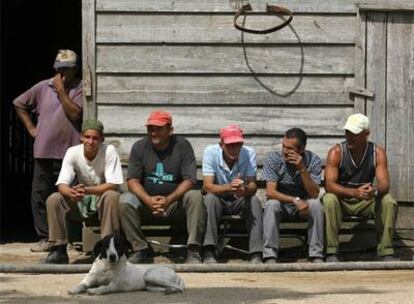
(175, 287)
(180, 285)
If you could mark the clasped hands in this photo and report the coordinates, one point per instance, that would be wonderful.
(77, 192)
(159, 205)
(364, 192)
(236, 187)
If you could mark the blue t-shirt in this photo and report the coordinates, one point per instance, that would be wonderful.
(214, 165)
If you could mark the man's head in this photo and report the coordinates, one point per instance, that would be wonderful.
(92, 136)
(159, 128)
(356, 130)
(66, 64)
(231, 141)
(294, 140)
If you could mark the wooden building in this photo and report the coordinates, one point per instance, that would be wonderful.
(185, 56)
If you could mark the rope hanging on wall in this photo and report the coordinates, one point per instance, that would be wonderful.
(272, 9)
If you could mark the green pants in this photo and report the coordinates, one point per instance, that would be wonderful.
(384, 210)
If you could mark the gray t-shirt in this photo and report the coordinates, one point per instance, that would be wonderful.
(162, 171)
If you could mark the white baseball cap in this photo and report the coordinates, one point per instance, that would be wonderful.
(356, 123)
(66, 59)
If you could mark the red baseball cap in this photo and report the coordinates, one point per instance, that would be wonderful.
(231, 134)
(159, 118)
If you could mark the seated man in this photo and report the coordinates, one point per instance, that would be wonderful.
(161, 173)
(292, 188)
(229, 178)
(350, 171)
(88, 181)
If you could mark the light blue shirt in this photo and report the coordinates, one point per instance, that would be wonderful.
(214, 165)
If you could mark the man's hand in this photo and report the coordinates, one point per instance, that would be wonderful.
(303, 207)
(237, 187)
(59, 84)
(159, 205)
(33, 132)
(295, 159)
(77, 192)
(365, 192)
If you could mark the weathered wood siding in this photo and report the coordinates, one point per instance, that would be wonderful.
(387, 71)
(186, 57)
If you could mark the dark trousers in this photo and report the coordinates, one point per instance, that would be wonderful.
(45, 175)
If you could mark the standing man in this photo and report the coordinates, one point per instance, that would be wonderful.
(229, 178)
(57, 102)
(88, 182)
(350, 171)
(161, 174)
(292, 187)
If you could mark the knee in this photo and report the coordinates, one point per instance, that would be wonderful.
(330, 201)
(387, 202)
(256, 204)
(211, 200)
(194, 197)
(54, 200)
(315, 206)
(111, 197)
(194, 202)
(127, 199)
(273, 206)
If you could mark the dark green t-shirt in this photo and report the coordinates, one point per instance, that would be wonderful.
(161, 172)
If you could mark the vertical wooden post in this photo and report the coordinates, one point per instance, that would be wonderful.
(88, 58)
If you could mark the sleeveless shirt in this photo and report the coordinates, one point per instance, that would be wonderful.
(350, 174)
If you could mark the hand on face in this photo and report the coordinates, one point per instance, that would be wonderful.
(292, 153)
(294, 158)
(59, 83)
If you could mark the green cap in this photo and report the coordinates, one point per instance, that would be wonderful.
(92, 124)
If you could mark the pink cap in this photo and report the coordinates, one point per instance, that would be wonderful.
(159, 118)
(231, 134)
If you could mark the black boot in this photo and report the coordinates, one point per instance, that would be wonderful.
(57, 255)
(143, 256)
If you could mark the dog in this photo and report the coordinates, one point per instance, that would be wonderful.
(111, 272)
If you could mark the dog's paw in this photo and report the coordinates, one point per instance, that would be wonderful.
(170, 290)
(93, 291)
(75, 291)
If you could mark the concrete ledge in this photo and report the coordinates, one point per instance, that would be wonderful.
(239, 267)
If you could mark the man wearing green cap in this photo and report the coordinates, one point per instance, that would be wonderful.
(96, 168)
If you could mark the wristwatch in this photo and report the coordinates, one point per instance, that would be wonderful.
(296, 200)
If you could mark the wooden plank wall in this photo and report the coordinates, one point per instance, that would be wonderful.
(400, 103)
(186, 57)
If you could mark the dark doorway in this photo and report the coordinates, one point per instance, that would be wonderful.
(31, 34)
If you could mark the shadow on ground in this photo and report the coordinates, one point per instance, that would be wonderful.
(194, 295)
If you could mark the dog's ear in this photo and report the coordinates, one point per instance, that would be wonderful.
(128, 247)
(97, 250)
(124, 246)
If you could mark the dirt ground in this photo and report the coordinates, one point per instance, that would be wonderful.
(265, 288)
